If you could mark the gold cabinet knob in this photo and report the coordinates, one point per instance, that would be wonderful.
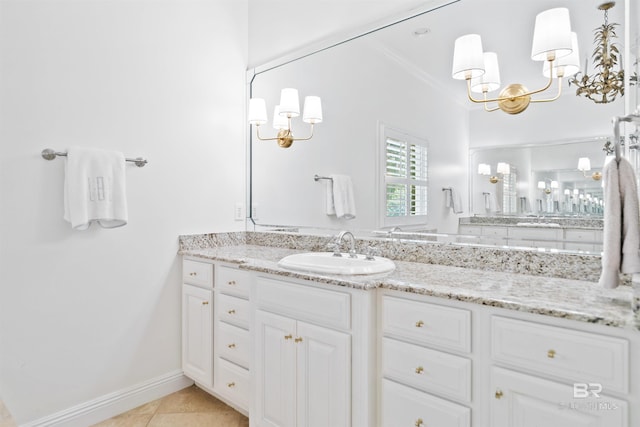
(205, 302)
(231, 282)
(499, 394)
(232, 345)
(419, 370)
(551, 354)
(231, 384)
(298, 339)
(193, 274)
(419, 324)
(288, 337)
(232, 311)
(419, 422)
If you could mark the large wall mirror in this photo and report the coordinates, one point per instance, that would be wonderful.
(397, 81)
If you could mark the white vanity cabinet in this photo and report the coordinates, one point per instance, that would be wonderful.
(307, 370)
(197, 321)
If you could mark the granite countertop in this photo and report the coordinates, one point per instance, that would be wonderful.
(566, 298)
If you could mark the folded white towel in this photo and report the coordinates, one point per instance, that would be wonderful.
(452, 200)
(340, 198)
(94, 188)
(621, 243)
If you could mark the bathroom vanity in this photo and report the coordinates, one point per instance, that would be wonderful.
(424, 345)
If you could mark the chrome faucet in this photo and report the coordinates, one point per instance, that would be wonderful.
(352, 244)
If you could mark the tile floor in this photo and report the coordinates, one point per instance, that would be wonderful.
(190, 407)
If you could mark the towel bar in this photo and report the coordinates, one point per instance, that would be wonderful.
(49, 154)
(318, 177)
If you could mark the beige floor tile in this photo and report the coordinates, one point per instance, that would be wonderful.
(244, 421)
(196, 419)
(5, 417)
(126, 420)
(190, 399)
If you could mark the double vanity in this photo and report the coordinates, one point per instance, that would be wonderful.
(467, 342)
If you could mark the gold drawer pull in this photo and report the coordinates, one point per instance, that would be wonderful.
(288, 337)
(232, 311)
(419, 324)
(499, 394)
(231, 385)
(551, 354)
(419, 422)
(193, 274)
(232, 345)
(231, 282)
(205, 302)
(419, 370)
(298, 339)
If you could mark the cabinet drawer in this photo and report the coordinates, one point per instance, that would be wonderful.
(233, 310)
(474, 230)
(197, 273)
(233, 281)
(302, 302)
(580, 235)
(233, 344)
(495, 231)
(564, 353)
(232, 382)
(429, 370)
(538, 233)
(405, 406)
(426, 323)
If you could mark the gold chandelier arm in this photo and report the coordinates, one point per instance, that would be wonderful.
(307, 138)
(261, 138)
(555, 97)
(503, 98)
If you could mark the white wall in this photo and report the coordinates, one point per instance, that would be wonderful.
(84, 314)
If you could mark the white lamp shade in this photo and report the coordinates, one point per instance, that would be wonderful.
(312, 110)
(490, 80)
(552, 34)
(554, 184)
(484, 169)
(279, 121)
(567, 192)
(289, 102)
(584, 164)
(257, 111)
(468, 61)
(567, 65)
(503, 168)
(541, 185)
(576, 191)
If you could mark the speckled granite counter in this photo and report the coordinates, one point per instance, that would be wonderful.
(558, 297)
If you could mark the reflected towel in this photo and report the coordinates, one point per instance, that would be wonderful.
(452, 200)
(621, 244)
(94, 188)
(340, 198)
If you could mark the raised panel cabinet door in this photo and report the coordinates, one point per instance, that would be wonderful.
(275, 370)
(197, 334)
(520, 400)
(324, 377)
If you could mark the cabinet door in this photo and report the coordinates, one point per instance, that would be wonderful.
(197, 334)
(275, 370)
(525, 401)
(324, 377)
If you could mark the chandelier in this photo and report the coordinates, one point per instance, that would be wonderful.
(607, 83)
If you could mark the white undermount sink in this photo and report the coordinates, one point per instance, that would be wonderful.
(538, 224)
(326, 262)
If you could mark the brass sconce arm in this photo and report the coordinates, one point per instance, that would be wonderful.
(285, 137)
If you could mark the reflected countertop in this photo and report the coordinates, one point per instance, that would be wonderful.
(565, 298)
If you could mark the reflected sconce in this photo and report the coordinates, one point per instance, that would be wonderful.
(553, 43)
(288, 108)
(584, 165)
(502, 168)
(553, 185)
(606, 83)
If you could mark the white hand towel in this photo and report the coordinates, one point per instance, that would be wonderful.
(343, 198)
(456, 202)
(94, 188)
(621, 243)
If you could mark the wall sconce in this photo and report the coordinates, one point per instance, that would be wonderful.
(502, 168)
(552, 40)
(607, 83)
(584, 165)
(542, 185)
(288, 108)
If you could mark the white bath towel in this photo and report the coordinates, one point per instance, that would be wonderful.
(340, 197)
(94, 188)
(621, 245)
(452, 200)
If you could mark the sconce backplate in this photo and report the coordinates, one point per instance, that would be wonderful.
(513, 99)
(285, 138)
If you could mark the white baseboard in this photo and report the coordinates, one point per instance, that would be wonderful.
(110, 405)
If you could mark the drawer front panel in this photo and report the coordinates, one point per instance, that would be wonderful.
(232, 382)
(535, 233)
(302, 302)
(429, 370)
(232, 281)
(494, 231)
(197, 273)
(565, 353)
(233, 344)
(426, 323)
(233, 310)
(405, 406)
